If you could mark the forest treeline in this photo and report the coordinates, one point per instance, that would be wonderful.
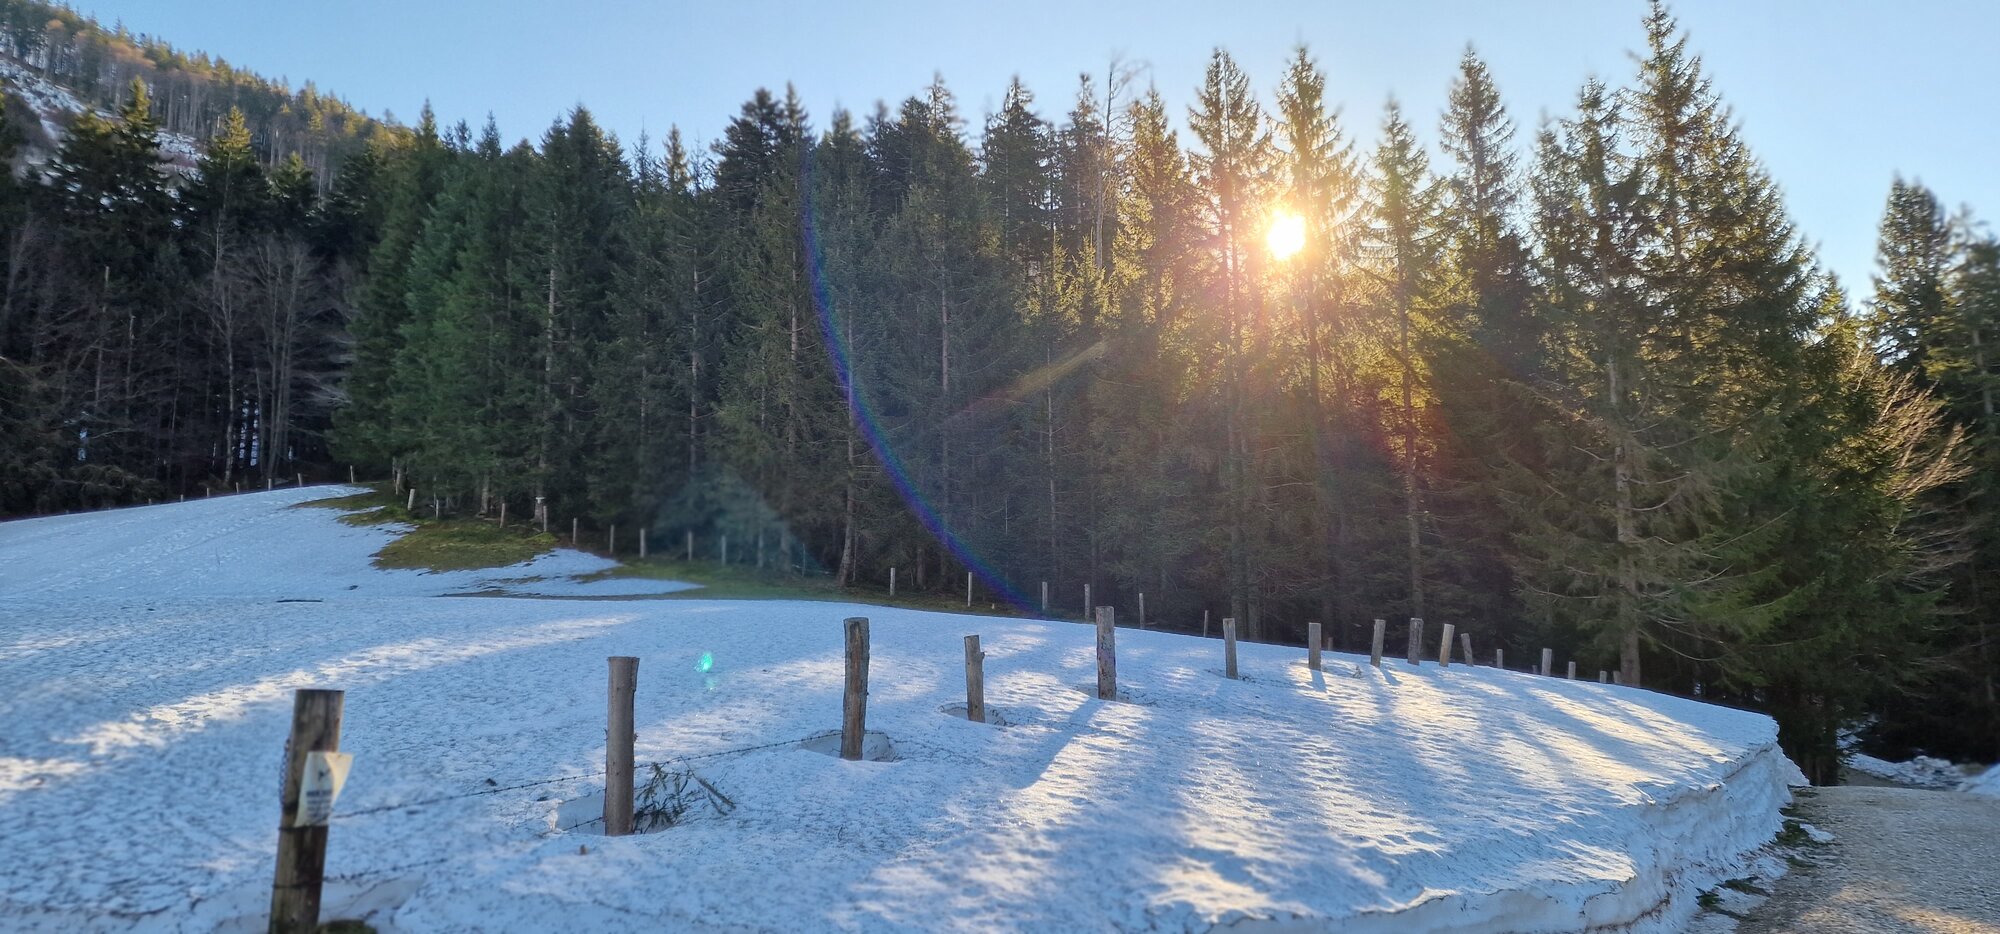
(1583, 387)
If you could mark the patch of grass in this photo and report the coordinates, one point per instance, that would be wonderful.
(1709, 900)
(1795, 835)
(748, 582)
(462, 545)
(450, 544)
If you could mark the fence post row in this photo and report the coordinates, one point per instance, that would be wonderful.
(975, 680)
(854, 702)
(618, 738)
(295, 886)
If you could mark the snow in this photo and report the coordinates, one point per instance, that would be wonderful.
(1985, 783)
(1920, 772)
(147, 657)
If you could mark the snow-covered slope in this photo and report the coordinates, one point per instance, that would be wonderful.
(146, 664)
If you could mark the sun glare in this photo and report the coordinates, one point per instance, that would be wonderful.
(1287, 235)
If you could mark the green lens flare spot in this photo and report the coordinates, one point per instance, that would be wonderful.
(706, 663)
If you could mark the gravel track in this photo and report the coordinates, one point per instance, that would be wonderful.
(1903, 859)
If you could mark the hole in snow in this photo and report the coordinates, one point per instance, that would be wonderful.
(875, 747)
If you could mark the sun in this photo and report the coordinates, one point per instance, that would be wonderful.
(1287, 235)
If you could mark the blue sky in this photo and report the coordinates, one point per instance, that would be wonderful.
(1835, 97)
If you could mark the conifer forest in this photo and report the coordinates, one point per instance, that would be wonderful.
(1246, 348)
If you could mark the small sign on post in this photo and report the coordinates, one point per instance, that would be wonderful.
(319, 787)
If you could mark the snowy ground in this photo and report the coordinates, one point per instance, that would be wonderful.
(147, 658)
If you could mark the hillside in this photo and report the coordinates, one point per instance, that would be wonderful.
(56, 63)
(150, 653)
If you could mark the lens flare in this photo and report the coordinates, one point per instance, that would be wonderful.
(1287, 235)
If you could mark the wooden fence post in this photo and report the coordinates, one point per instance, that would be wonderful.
(350, 473)
(1375, 645)
(1229, 646)
(301, 480)
(1465, 642)
(968, 589)
(1045, 598)
(295, 887)
(1549, 662)
(1603, 677)
(1572, 670)
(1500, 659)
(1617, 676)
(975, 681)
(618, 737)
(1204, 624)
(503, 513)
(611, 540)
(1416, 639)
(1107, 654)
(411, 505)
(854, 703)
(690, 544)
(1444, 646)
(1313, 638)
(643, 535)
(1142, 609)
(725, 548)
(892, 582)
(575, 524)
(1086, 601)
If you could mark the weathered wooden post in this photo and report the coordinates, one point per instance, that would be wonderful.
(1204, 624)
(1549, 662)
(1229, 646)
(643, 535)
(968, 589)
(725, 548)
(618, 738)
(690, 545)
(1617, 676)
(1375, 645)
(975, 681)
(1444, 646)
(1416, 639)
(575, 524)
(1107, 654)
(1572, 670)
(301, 480)
(1086, 601)
(854, 702)
(270, 484)
(1142, 609)
(503, 513)
(611, 540)
(350, 474)
(1312, 645)
(411, 505)
(892, 582)
(1603, 677)
(542, 512)
(1045, 598)
(1465, 642)
(1500, 659)
(295, 887)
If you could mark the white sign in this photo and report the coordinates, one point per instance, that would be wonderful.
(325, 773)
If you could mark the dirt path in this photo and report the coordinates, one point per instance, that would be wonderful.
(1903, 859)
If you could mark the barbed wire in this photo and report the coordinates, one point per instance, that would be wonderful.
(483, 792)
